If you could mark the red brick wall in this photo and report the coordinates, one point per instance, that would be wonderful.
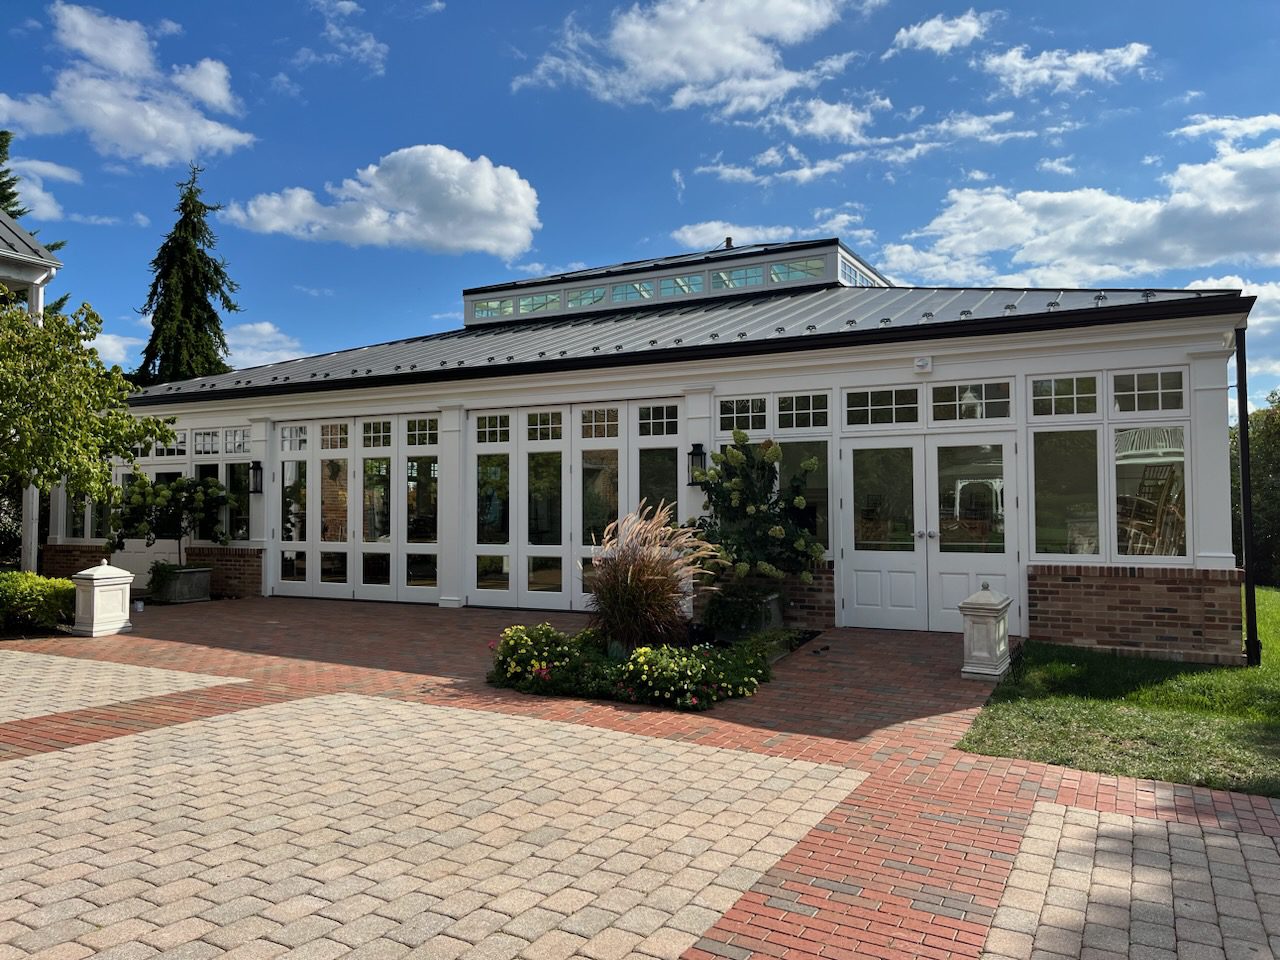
(1171, 613)
(237, 571)
(64, 559)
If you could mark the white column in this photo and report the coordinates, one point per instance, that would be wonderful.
(451, 528)
(1209, 466)
(699, 425)
(30, 529)
(35, 299)
(262, 504)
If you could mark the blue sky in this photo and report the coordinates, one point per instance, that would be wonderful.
(376, 159)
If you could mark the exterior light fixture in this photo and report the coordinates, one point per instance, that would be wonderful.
(697, 462)
(255, 476)
(971, 408)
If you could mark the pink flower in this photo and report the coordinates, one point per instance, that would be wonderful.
(493, 644)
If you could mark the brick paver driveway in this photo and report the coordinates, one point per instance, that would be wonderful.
(318, 779)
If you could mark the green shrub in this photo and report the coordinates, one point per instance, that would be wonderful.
(29, 600)
(542, 659)
(680, 677)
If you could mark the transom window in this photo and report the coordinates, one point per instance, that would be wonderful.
(732, 279)
(236, 440)
(1064, 396)
(484, 309)
(797, 270)
(802, 410)
(333, 436)
(971, 401)
(493, 428)
(424, 431)
(205, 441)
(636, 290)
(376, 433)
(853, 276)
(659, 421)
(586, 296)
(293, 438)
(600, 422)
(681, 286)
(864, 407)
(545, 426)
(745, 414)
(176, 449)
(538, 302)
(1148, 391)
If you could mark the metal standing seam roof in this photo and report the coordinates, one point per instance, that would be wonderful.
(781, 321)
(16, 243)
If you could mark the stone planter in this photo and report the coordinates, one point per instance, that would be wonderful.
(186, 585)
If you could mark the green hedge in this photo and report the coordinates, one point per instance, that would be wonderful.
(28, 600)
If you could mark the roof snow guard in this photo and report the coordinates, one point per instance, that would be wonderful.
(772, 321)
(16, 244)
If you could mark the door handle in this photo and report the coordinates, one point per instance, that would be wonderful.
(933, 534)
(919, 534)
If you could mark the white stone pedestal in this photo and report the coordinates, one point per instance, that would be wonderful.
(986, 634)
(102, 601)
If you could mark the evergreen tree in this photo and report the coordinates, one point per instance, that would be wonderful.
(188, 286)
(10, 202)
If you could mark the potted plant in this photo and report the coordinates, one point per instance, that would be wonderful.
(175, 510)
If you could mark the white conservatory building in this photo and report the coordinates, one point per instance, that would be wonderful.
(1069, 447)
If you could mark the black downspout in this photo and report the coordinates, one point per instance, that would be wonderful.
(1252, 645)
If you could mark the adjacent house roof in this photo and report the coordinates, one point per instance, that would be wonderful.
(18, 244)
(766, 322)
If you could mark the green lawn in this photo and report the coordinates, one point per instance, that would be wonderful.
(1212, 726)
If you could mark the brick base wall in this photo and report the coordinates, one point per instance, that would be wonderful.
(237, 571)
(64, 559)
(1170, 613)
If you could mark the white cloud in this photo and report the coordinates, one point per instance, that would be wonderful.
(1152, 160)
(1220, 211)
(1229, 129)
(1061, 71)
(828, 221)
(255, 344)
(977, 176)
(1060, 165)
(692, 53)
(1266, 312)
(35, 196)
(536, 268)
(167, 28)
(678, 179)
(112, 90)
(942, 34)
(140, 219)
(821, 120)
(433, 6)
(313, 291)
(447, 315)
(283, 83)
(427, 197)
(345, 41)
(113, 348)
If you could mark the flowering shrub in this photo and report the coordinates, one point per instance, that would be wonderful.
(671, 676)
(542, 659)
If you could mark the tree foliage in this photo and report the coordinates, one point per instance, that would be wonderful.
(10, 202)
(63, 413)
(176, 510)
(188, 287)
(1264, 474)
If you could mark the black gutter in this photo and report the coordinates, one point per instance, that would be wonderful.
(1252, 644)
(949, 330)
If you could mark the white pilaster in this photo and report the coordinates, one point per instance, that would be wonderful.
(30, 529)
(699, 425)
(452, 548)
(1210, 462)
(261, 504)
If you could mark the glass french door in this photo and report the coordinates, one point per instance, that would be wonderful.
(542, 526)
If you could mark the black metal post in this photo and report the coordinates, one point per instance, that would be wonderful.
(1252, 645)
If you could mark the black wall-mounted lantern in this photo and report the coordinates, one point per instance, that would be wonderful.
(697, 462)
(255, 476)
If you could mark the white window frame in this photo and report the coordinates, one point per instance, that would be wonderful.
(1130, 559)
(1106, 500)
(1011, 418)
(1034, 418)
(1181, 413)
(918, 423)
(757, 435)
(792, 431)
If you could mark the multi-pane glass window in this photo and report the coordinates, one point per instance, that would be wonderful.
(238, 505)
(333, 436)
(659, 421)
(681, 286)
(816, 489)
(802, 411)
(797, 270)
(422, 489)
(636, 290)
(586, 297)
(733, 279)
(293, 438)
(236, 440)
(546, 425)
(1066, 491)
(1148, 391)
(488, 309)
(1151, 492)
(863, 407)
(538, 302)
(1057, 396)
(205, 441)
(853, 276)
(600, 422)
(971, 401)
(376, 433)
(746, 414)
(493, 428)
(422, 431)
(75, 515)
(176, 449)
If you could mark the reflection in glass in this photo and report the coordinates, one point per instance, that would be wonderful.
(971, 499)
(816, 492)
(377, 500)
(884, 499)
(209, 526)
(75, 515)
(493, 498)
(293, 565)
(293, 500)
(545, 500)
(659, 477)
(493, 573)
(377, 569)
(599, 493)
(238, 507)
(1066, 488)
(333, 502)
(333, 567)
(420, 570)
(1151, 492)
(546, 574)
(422, 489)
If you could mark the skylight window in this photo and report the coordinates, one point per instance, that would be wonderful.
(629, 292)
(797, 270)
(681, 286)
(539, 302)
(853, 276)
(486, 309)
(586, 297)
(733, 279)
